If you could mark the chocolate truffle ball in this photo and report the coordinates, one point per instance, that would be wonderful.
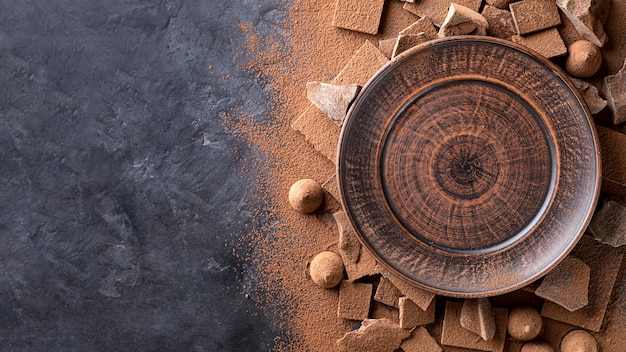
(537, 346)
(579, 341)
(524, 323)
(584, 59)
(306, 195)
(326, 269)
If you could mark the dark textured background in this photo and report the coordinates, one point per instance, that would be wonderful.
(120, 186)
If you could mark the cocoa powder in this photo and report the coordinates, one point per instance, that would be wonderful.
(307, 48)
(304, 47)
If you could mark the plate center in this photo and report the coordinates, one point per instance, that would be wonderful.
(466, 166)
(471, 174)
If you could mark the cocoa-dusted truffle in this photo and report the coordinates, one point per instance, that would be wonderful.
(327, 269)
(537, 346)
(584, 59)
(524, 323)
(306, 195)
(579, 341)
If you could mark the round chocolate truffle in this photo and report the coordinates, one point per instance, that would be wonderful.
(579, 341)
(524, 323)
(306, 195)
(584, 59)
(537, 346)
(326, 269)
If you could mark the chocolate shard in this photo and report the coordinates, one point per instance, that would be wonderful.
(614, 90)
(354, 300)
(387, 293)
(501, 23)
(411, 315)
(534, 15)
(567, 285)
(608, 224)
(406, 42)
(547, 42)
(477, 317)
(420, 341)
(374, 335)
(461, 20)
(423, 25)
(590, 93)
(332, 99)
(582, 14)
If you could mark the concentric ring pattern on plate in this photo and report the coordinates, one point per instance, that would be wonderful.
(469, 166)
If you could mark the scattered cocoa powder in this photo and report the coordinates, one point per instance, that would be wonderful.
(303, 47)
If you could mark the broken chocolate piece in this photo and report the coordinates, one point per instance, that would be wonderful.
(436, 10)
(567, 285)
(330, 186)
(354, 300)
(567, 30)
(332, 99)
(406, 42)
(603, 261)
(612, 145)
(358, 263)
(453, 334)
(362, 66)
(365, 266)
(608, 224)
(582, 14)
(387, 293)
(360, 16)
(411, 315)
(501, 4)
(477, 317)
(379, 311)
(318, 129)
(614, 90)
(423, 25)
(349, 244)
(590, 93)
(534, 15)
(386, 46)
(420, 341)
(501, 23)
(374, 335)
(547, 42)
(420, 297)
(461, 20)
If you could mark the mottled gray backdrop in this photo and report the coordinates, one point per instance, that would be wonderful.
(120, 185)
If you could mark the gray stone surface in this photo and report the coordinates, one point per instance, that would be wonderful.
(120, 185)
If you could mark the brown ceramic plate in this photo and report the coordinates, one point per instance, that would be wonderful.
(469, 166)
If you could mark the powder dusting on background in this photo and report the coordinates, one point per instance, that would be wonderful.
(298, 45)
(289, 46)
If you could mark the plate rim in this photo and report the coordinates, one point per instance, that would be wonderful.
(594, 195)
